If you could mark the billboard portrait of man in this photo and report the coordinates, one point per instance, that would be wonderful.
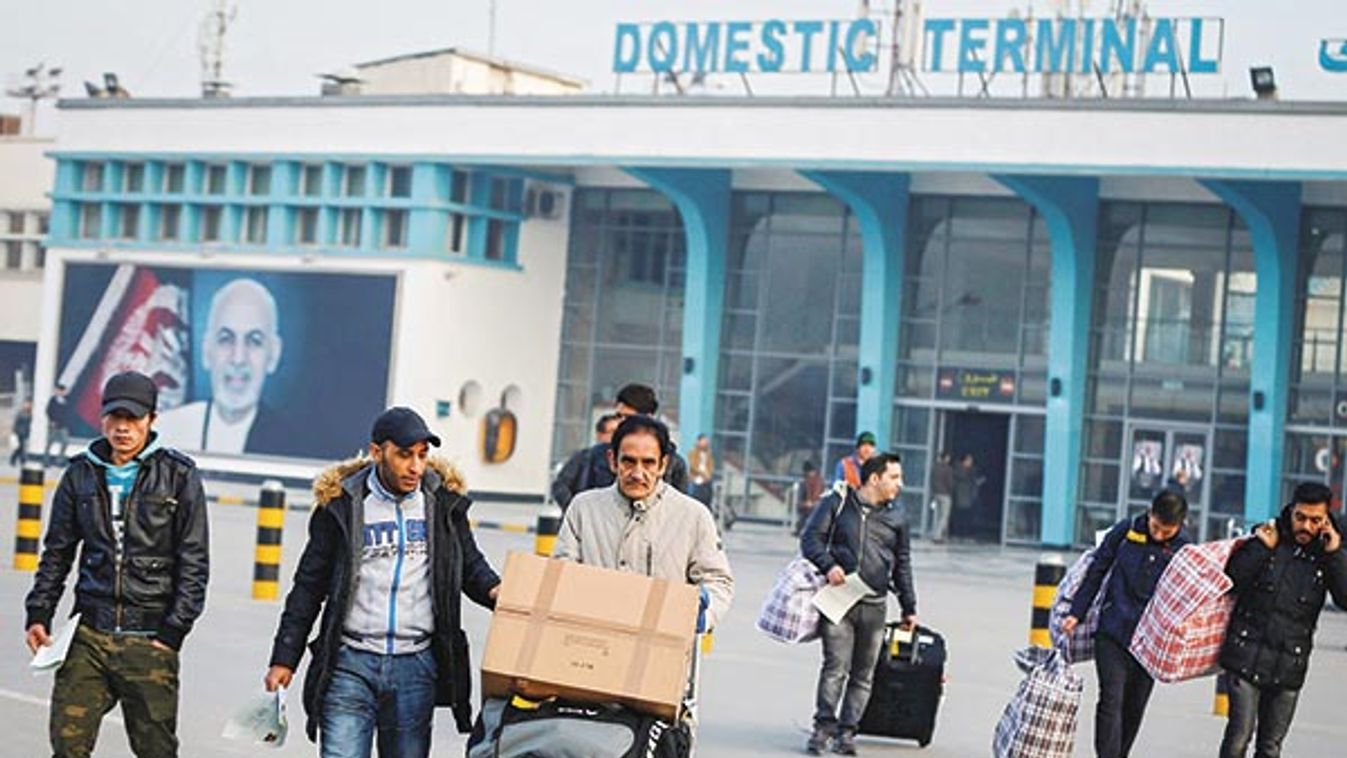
(240, 348)
(249, 363)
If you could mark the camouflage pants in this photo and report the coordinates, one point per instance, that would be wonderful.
(103, 669)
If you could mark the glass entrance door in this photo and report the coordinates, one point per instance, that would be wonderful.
(1166, 456)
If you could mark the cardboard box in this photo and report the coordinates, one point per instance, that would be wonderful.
(591, 634)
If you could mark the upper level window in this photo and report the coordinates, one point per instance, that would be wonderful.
(210, 223)
(128, 221)
(348, 227)
(91, 177)
(170, 222)
(354, 183)
(91, 221)
(311, 180)
(306, 226)
(458, 187)
(216, 178)
(395, 228)
(399, 181)
(133, 177)
(175, 177)
(259, 180)
(15, 224)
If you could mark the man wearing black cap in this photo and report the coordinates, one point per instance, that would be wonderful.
(389, 553)
(136, 513)
(849, 468)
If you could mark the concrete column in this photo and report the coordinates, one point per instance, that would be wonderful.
(1271, 211)
(879, 202)
(1070, 207)
(702, 197)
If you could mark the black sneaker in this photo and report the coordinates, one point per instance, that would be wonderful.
(818, 742)
(845, 744)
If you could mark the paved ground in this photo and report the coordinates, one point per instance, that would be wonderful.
(757, 694)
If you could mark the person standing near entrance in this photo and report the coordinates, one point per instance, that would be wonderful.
(58, 424)
(702, 468)
(23, 426)
(134, 514)
(848, 469)
(858, 531)
(1136, 550)
(1281, 578)
(942, 496)
(966, 485)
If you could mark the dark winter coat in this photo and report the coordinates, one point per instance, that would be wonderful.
(1280, 594)
(326, 575)
(588, 469)
(1137, 561)
(158, 582)
(874, 542)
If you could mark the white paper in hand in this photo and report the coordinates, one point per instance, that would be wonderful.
(834, 600)
(50, 657)
(261, 722)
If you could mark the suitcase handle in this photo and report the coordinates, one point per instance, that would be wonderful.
(892, 642)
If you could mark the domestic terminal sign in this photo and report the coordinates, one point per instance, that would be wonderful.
(1082, 45)
(771, 46)
(1073, 45)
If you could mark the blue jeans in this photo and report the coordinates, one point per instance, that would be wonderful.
(850, 652)
(1267, 709)
(1124, 689)
(393, 694)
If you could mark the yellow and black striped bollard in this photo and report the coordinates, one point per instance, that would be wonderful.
(270, 523)
(1047, 575)
(29, 532)
(1220, 706)
(545, 535)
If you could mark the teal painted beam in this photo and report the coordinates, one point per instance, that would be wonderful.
(879, 202)
(702, 197)
(1271, 211)
(1070, 207)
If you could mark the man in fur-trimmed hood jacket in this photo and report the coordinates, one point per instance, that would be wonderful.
(390, 552)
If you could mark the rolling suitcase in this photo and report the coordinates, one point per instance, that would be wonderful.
(909, 681)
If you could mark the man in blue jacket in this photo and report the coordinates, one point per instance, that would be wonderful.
(858, 531)
(1137, 550)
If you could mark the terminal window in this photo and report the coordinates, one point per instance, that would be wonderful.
(174, 177)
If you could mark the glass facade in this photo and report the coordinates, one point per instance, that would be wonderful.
(787, 388)
(1316, 438)
(1168, 382)
(974, 313)
(623, 314)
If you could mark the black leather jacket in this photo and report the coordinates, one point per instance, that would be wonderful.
(872, 541)
(1280, 593)
(157, 582)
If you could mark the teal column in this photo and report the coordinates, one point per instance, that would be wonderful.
(1271, 211)
(281, 217)
(702, 197)
(1070, 207)
(426, 226)
(879, 203)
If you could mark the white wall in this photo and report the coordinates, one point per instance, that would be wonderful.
(1202, 138)
(26, 176)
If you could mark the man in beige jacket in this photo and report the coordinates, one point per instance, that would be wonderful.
(642, 525)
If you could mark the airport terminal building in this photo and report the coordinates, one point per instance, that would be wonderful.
(1089, 297)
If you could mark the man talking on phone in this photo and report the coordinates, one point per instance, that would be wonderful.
(1280, 579)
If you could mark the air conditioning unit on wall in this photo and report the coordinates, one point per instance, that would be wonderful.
(543, 201)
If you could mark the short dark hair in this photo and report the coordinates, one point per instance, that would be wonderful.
(604, 420)
(640, 397)
(878, 464)
(1170, 507)
(643, 425)
(1312, 493)
(60, 386)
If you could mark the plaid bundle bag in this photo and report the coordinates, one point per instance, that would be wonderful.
(788, 614)
(1079, 646)
(1040, 721)
(1181, 631)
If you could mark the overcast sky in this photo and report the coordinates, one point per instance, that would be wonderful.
(278, 46)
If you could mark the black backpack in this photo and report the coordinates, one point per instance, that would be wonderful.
(564, 729)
